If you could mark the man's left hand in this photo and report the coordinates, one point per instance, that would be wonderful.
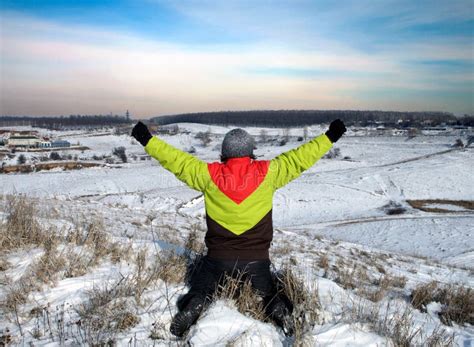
(141, 133)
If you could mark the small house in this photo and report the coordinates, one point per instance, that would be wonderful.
(44, 144)
(25, 141)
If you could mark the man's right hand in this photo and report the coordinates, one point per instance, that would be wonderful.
(141, 133)
(336, 130)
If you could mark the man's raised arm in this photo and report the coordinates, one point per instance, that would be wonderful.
(289, 165)
(184, 166)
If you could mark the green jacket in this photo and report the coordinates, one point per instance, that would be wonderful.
(238, 194)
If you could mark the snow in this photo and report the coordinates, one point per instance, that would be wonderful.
(348, 335)
(222, 325)
(337, 208)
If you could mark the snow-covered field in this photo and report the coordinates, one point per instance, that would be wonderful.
(339, 209)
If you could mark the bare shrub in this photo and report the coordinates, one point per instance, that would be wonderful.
(21, 159)
(393, 208)
(333, 153)
(120, 153)
(286, 135)
(263, 136)
(458, 143)
(205, 137)
(55, 156)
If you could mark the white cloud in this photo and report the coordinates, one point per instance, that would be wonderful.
(51, 69)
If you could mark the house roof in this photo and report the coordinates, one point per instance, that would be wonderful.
(16, 137)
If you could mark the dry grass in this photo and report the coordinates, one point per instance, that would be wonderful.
(421, 205)
(323, 262)
(387, 281)
(167, 266)
(91, 234)
(63, 256)
(48, 267)
(16, 295)
(457, 301)
(22, 227)
(398, 324)
(4, 264)
(379, 287)
(240, 291)
(306, 306)
(171, 267)
(106, 312)
(195, 240)
(345, 275)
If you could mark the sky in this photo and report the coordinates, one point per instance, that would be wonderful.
(157, 57)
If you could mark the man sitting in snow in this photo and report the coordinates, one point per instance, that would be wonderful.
(238, 193)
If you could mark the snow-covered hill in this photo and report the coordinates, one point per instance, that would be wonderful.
(362, 230)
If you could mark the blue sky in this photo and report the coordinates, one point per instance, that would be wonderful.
(163, 57)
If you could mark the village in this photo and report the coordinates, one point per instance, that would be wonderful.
(28, 140)
(18, 149)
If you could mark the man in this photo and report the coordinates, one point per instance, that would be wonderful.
(238, 195)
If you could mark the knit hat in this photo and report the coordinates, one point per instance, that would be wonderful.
(237, 143)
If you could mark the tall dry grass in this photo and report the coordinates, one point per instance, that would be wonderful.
(21, 227)
(457, 301)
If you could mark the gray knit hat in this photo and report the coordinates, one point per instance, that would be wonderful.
(237, 143)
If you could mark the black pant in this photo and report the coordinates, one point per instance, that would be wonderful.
(211, 272)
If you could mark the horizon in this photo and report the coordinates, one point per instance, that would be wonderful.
(159, 58)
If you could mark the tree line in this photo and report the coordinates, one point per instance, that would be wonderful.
(289, 118)
(64, 121)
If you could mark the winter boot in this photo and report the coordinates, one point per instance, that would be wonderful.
(186, 317)
(283, 318)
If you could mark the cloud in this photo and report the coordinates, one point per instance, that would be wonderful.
(52, 68)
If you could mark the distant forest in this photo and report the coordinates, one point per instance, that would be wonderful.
(282, 118)
(71, 121)
(289, 118)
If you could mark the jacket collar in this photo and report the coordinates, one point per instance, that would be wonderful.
(240, 160)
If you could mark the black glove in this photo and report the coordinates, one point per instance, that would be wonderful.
(141, 133)
(336, 129)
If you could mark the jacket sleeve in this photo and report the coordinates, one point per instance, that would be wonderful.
(289, 165)
(184, 166)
